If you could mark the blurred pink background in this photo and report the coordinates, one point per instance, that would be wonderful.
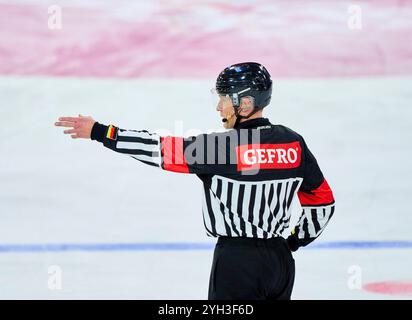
(198, 38)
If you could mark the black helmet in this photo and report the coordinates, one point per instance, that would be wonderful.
(245, 79)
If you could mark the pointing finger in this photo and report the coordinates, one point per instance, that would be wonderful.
(64, 124)
(71, 119)
(70, 131)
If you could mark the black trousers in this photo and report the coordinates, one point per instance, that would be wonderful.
(251, 269)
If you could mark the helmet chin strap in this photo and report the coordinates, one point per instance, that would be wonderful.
(239, 117)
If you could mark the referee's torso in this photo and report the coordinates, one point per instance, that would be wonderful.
(253, 197)
(250, 175)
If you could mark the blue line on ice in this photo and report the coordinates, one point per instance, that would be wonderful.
(185, 246)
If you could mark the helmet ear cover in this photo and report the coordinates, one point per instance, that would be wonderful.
(247, 103)
(237, 97)
(246, 109)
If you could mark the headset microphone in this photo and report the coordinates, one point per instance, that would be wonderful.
(228, 118)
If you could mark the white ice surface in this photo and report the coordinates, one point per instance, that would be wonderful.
(57, 190)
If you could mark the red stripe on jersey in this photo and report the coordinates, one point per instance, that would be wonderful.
(321, 196)
(173, 155)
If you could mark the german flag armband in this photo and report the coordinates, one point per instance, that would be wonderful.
(111, 132)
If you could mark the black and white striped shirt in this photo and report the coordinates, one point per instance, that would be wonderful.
(250, 177)
(259, 209)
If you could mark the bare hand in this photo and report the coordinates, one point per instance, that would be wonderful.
(81, 126)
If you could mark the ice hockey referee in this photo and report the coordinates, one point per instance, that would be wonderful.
(250, 174)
